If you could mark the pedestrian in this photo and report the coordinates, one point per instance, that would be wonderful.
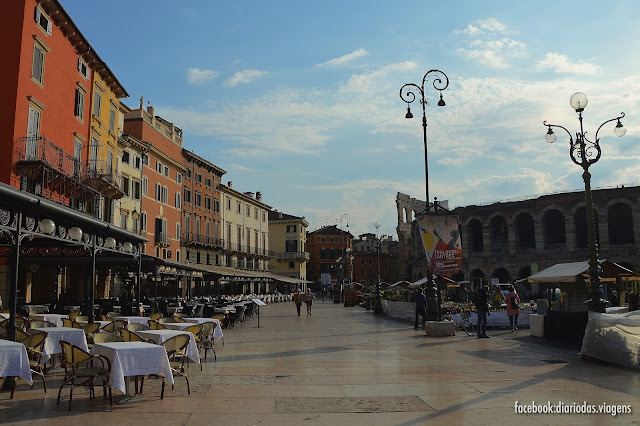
(513, 308)
(308, 299)
(297, 299)
(420, 304)
(482, 309)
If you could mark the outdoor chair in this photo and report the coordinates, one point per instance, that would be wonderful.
(74, 314)
(197, 313)
(113, 314)
(106, 337)
(35, 346)
(165, 319)
(155, 316)
(41, 324)
(82, 318)
(206, 340)
(176, 348)
(114, 326)
(105, 318)
(180, 315)
(177, 319)
(70, 323)
(238, 316)
(155, 325)
(132, 336)
(21, 334)
(136, 326)
(76, 372)
(90, 330)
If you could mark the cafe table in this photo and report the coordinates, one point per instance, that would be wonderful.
(14, 361)
(133, 359)
(177, 325)
(102, 323)
(4, 315)
(217, 333)
(52, 318)
(134, 319)
(75, 336)
(160, 336)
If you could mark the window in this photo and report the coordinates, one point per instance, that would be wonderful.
(83, 69)
(187, 223)
(166, 171)
(158, 191)
(248, 211)
(145, 159)
(161, 230)
(165, 195)
(187, 196)
(198, 222)
(198, 178)
(255, 214)
(145, 185)
(43, 21)
(323, 240)
(178, 230)
(159, 167)
(239, 208)
(123, 221)
(216, 206)
(188, 173)
(125, 157)
(179, 177)
(207, 203)
(143, 221)
(291, 228)
(264, 217)
(178, 200)
(332, 239)
(228, 203)
(292, 265)
(78, 108)
(134, 223)
(207, 182)
(37, 70)
(77, 157)
(198, 200)
(207, 228)
(136, 189)
(137, 162)
(126, 186)
(208, 259)
(97, 102)
(291, 246)
(112, 120)
(198, 257)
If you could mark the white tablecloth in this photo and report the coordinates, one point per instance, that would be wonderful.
(224, 310)
(160, 336)
(4, 315)
(41, 308)
(75, 336)
(134, 319)
(102, 323)
(14, 361)
(177, 325)
(133, 359)
(216, 333)
(52, 318)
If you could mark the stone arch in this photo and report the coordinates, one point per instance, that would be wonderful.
(404, 215)
(458, 277)
(476, 278)
(553, 227)
(502, 274)
(524, 272)
(475, 236)
(525, 230)
(498, 234)
(620, 221)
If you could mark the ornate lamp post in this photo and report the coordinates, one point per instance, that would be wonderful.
(377, 307)
(584, 153)
(343, 255)
(440, 82)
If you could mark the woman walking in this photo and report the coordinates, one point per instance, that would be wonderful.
(308, 299)
(297, 299)
(513, 308)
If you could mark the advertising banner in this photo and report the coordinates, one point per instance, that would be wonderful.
(442, 243)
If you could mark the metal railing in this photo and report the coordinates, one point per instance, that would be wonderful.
(292, 255)
(40, 149)
(192, 237)
(243, 248)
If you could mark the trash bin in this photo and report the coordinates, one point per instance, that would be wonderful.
(368, 303)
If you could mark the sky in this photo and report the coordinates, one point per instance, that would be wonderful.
(300, 100)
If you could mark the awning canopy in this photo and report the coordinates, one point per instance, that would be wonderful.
(568, 272)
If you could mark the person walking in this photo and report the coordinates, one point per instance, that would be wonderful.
(513, 308)
(297, 299)
(482, 309)
(420, 303)
(308, 299)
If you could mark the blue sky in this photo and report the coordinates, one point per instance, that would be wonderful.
(300, 99)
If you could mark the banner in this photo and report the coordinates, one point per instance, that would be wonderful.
(442, 243)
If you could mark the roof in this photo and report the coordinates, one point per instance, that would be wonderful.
(568, 272)
(331, 229)
(276, 216)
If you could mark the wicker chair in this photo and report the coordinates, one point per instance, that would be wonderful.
(83, 318)
(35, 346)
(70, 323)
(176, 348)
(155, 325)
(166, 319)
(155, 316)
(76, 372)
(74, 314)
(136, 326)
(206, 339)
(106, 337)
(114, 326)
(41, 324)
(180, 315)
(176, 318)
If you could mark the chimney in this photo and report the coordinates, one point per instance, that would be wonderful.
(259, 196)
(249, 194)
(230, 184)
(279, 215)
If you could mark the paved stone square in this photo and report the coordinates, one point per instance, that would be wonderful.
(345, 366)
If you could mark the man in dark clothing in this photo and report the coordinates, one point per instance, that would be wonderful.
(420, 303)
(482, 309)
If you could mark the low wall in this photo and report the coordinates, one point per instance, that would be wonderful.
(404, 310)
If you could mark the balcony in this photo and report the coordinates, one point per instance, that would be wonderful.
(193, 238)
(102, 177)
(243, 248)
(161, 239)
(303, 256)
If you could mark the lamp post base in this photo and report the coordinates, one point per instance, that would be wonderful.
(597, 305)
(377, 306)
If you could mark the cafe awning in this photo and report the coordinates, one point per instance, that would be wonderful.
(569, 272)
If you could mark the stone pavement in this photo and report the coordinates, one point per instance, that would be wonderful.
(345, 366)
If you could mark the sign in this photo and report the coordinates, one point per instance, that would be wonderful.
(440, 236)
(325, 279)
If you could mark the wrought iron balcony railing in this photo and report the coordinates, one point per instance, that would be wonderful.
(192, 237)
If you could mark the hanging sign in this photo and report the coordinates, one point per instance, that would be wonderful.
(440, 236)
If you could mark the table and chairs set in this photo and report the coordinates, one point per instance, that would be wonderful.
(113, 349)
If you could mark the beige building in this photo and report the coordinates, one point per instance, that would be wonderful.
(288, 235)
(245, 229)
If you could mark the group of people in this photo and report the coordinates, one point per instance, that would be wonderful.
(307, 298)
(482, 302)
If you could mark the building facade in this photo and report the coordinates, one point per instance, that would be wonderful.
(288, 238)
(366, 259)
(329, 253)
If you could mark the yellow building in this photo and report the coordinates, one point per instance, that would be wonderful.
(288, 239)
(103, 152)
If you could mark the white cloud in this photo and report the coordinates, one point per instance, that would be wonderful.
(244, 77)
(197, 76)
(486, 43)
(344, 59)
(562, 64)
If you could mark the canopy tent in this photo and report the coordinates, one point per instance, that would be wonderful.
(447, 281)
(568, 272)
(400, 284)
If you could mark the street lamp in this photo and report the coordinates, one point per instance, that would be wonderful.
(377, 308)
(408, 94)
(346, 218)
(584, 153)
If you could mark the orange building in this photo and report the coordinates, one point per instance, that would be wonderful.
(162, 178)
(330, 253)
